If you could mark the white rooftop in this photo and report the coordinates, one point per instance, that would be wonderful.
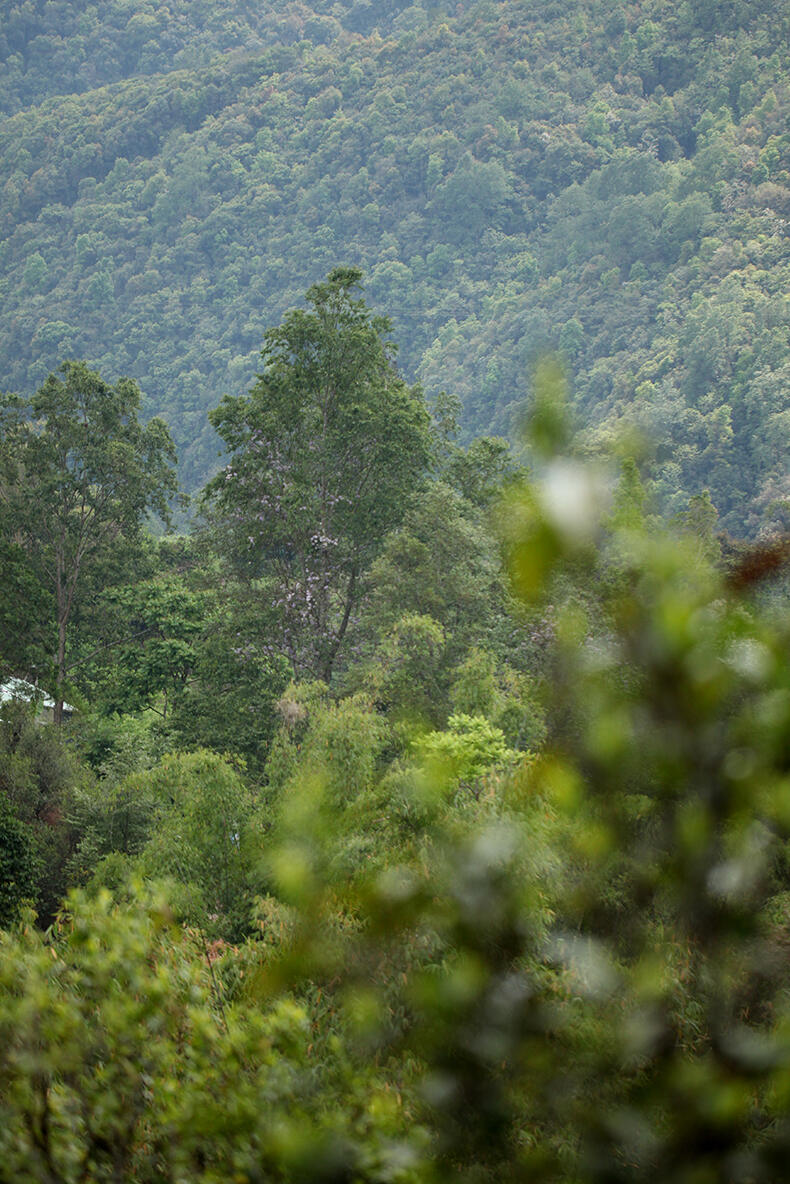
(18, 688)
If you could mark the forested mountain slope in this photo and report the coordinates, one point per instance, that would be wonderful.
(607, 179)
(51, 47)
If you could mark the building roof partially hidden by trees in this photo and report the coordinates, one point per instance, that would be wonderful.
(20, 690)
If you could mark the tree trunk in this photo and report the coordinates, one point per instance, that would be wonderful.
(64, 607)
(335, 649)
(58, 711)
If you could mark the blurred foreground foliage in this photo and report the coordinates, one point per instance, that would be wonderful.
(467, 961)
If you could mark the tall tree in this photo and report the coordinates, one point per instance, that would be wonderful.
(325, 452)
(77, 470)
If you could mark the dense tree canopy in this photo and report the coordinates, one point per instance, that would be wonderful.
(436, 950)
(326, 452)
(424, 818)
(78, 471)
(608, 180)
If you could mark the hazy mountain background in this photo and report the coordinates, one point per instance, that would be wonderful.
(610, 180)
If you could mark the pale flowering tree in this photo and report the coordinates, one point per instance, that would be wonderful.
(325, 452)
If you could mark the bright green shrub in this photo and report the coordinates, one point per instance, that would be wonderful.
(468, 748)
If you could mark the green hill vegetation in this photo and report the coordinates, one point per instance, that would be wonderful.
(434, 829)
(607, 180)
(420, 815)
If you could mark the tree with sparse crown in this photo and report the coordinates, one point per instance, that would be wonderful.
(326, 451)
